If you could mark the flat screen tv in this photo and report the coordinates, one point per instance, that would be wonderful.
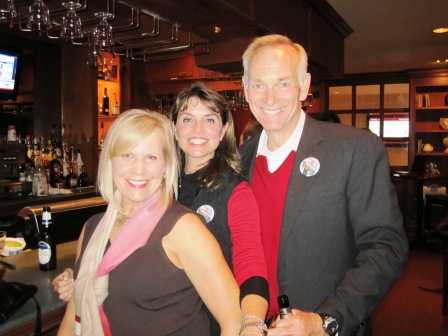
(9, 79)
(394, 125)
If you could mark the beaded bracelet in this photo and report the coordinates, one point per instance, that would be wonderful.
(250, 333)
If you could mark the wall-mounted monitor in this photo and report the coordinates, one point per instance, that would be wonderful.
(394, 125)
(9, 79)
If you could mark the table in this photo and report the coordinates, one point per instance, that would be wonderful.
(420, 180)
(27, 271)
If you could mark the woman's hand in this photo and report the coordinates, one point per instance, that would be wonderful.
(63, 285)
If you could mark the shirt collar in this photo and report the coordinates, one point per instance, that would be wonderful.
(276, 158)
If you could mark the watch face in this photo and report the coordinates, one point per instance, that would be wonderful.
(330, 325)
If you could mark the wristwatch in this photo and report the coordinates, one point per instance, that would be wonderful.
(330, 324)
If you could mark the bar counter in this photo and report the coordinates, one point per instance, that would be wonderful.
(27, 271)
(10, 206)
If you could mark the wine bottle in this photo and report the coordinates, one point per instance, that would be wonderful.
(105, 103)
(284, 307)
(47, 243)
(83, 178)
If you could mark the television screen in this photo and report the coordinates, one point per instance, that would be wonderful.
(9, 61)
(394, 126)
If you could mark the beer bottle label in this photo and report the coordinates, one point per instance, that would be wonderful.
(44, 253)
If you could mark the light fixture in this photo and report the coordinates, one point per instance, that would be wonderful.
(440, 30)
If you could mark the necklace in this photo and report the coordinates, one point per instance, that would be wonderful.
(121, 219)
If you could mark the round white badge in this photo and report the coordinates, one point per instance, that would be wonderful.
(310, 166)
(207, 211)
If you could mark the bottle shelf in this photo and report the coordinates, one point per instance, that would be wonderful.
(431, 131)
(431, 154)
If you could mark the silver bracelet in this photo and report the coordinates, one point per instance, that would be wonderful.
(250, 333)
(245, 317)
(259, 324)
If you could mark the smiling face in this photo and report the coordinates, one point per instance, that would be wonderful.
(138, 172)
(198, 131)
(273, 91)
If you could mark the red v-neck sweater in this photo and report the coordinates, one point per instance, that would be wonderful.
(270, 192)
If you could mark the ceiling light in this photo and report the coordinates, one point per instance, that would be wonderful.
(440, 30)
(217, 30)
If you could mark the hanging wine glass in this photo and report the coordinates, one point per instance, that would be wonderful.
(71, 22)
(95, 54)
(102, 32)
(39, 17)
(7, 10)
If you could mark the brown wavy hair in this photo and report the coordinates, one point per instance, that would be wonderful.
(226, 160)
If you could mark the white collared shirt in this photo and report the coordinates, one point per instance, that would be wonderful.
(276, 158)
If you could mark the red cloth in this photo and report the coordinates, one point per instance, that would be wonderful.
(245, 233)
(270, 192)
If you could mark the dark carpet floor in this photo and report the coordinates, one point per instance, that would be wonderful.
(414, 305)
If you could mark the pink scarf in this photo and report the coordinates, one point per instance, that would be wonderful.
(134, 235)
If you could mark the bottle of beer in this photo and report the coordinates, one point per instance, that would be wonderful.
(284, 307)
(47, 243)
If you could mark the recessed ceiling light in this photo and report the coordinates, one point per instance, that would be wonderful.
(440, 30)
(217, 30)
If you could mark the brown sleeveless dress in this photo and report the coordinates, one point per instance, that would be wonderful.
(148, 294)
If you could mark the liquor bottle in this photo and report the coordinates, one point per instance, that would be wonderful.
(83, 179)
(79, 162)
(56, 173)
(47, 243)
(73, 159)
(105, 103)
(65, 162)
(101, 137)
(284, 307)
(106, 72)
(114, 72)
(115, 110)
(71, 180)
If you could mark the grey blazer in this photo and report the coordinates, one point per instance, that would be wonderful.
(342, 243)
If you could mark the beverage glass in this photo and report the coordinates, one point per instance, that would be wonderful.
(2, 240)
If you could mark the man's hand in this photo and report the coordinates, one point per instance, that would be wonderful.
(300, 323)
(63, 285)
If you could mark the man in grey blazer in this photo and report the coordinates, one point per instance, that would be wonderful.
(331, 227)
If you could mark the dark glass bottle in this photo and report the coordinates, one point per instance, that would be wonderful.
(47, 243)
(71, 180)
(83, 178)
(284, 307)
(105, 103)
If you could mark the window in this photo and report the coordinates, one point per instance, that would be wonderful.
(382, 108)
